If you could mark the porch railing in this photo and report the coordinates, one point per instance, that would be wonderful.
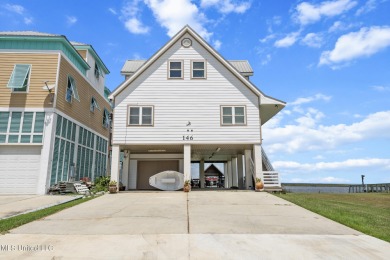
(270, 178)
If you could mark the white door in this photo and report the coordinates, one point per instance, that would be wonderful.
(19, 169)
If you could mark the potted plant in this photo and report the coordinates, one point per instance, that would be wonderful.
(187, 186)
(113, 187)
(259, 184)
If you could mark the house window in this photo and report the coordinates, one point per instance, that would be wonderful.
(94, 104)
(106, 118)
(97, 71)
(140, 115)
(233, 115)
(198, 69)
(175, 69)
(20, 77)
(71, 90)
(21, 127)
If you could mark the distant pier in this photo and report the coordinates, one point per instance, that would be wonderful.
(381, 187)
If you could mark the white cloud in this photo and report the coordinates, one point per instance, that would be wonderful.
(174, 14)
(313, 40)
(15, 8)
(130, 17)
(226, 6)
(28, 20)
(369, 6)
(287, 41)
(307, 13)
(71, 20)
(266, 59)
(112, 10)
(19, 10)
(133, 25)
(341, 165)
(380, 88)
(363, 43)
(305, 100)
(267, 38)
(217, 44)
(308, 135)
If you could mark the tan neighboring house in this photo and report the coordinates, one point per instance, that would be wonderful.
(54, 118)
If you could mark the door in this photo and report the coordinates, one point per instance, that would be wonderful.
(146, 169)
(19, 169)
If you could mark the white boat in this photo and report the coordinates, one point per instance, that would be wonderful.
(167, 180)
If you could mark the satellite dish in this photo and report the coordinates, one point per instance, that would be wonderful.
(48, 87)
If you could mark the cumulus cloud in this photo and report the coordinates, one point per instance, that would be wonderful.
(174, 14)
(341, 165)
(112, 10)
(305, 100)
(364, 43)
(226, 6)
(130, 14)
(308, 135)
(381, 88)
(287, 41)
(307, 13)
(71, 20)
(217, 44)
(19, 11)
(369, 6)
(313, 40)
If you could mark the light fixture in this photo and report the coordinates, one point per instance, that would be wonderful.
(49, 88)
(218, 149)
(157, 151)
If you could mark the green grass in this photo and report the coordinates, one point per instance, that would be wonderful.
(14, 222)
(368, 213)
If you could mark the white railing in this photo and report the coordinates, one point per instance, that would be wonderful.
(271, 179)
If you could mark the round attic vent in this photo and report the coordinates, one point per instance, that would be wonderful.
(186, 42)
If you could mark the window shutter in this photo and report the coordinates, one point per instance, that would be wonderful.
(19, 76)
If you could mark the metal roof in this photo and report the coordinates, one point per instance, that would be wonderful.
(27, 33)
(242, 66)
(132, 66)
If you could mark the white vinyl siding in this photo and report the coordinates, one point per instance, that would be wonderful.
(21, 127)
(20, 78)
(178, 102)
(140, 115)
(233, 115)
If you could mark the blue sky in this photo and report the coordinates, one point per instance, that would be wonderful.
(329, 60)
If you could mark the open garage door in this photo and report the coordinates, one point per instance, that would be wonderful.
(146, 169)
(19, 169)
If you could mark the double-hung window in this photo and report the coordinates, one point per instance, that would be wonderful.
(71, 90)
(140, 116)
(20, 77)
(233, 115)
(175, 69)
(106, 119)
(198, 69)
(94, 104)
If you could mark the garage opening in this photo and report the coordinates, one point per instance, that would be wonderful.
(146, 169)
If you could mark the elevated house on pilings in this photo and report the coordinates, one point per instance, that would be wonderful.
(188, 104)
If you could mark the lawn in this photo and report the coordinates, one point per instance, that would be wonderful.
(368, 213)
(14, 222)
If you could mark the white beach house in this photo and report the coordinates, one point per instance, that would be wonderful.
(188, 104)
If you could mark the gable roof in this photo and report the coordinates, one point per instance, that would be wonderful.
(264, 99)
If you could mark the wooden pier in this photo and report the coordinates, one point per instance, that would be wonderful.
(381, 187)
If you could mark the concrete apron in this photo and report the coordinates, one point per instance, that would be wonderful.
(198, 225)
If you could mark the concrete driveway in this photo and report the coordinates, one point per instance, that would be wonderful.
(12, 205)
(197, 225)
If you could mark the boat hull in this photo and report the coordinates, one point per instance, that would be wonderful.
(167, 180)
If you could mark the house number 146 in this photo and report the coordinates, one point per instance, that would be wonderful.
(188, 137)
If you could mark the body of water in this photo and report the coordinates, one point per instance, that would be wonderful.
(316, 189)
